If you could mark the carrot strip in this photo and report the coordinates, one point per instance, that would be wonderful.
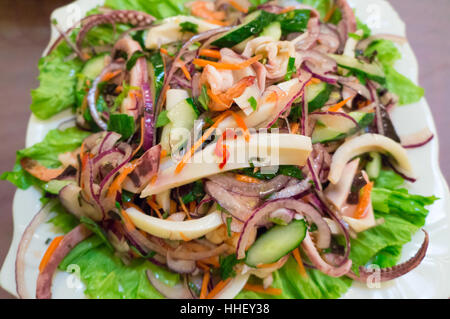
(313, 81)
(213, 261)
(127, 220)
(202, 265)
(262, 266)
(200, 142)
(218, 22)
(164, 51)
(218, 104)
(200, 9)
(228, 66)
(330, 13)
(268, 291)
(185, 238)
(220, 285)
(210, 53)
(338, 106)
(117, 184)
(237, 6)
(247, 179)
(154, 206)
(185, 70)
(241, 123)
(298, 259)
(295, 128)
(205, 282)
(49, 252)
(39, 171)
(110, 75)
(173, 207)
(287, 9)
(364, 202)
(163, 154)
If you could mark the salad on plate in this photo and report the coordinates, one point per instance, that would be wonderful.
(222, 149)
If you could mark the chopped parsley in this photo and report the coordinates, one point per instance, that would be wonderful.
(253, 103)
(226, 266)
(203, 99)
(132, 60)
(189, 27)
(162, 119)
(290, 69)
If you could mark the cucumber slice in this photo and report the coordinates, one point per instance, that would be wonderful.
(253, 24)
(294, 21)
(156, 73)
(317, 95)
(334, 132)
(373, 167)
(182, 117)
(273, 30)
(373, 71)
(276, 243)
(54, 186)
(91, 70)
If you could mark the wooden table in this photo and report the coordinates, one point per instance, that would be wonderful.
(24, 33)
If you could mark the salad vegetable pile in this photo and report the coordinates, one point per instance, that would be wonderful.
(154, 181)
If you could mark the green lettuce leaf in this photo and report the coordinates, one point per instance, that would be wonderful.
(404, 88)
(46, 153)
(57, 79)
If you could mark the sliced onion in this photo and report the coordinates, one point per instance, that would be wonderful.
(27, 236)
(92, 94)
(180, 266)
(149, 117)
(364, 44)
(314, 176)
(261, 215)
(297, 188)
(262, 189)
(185, 254)
(179, 291)
(418, 139)
(70, 240)
(355, 85)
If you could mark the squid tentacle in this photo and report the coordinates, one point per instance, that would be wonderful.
(391, 273)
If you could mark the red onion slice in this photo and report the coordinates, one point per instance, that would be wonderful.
(44, 281)
(149, 117)
(295, 189)
(180, 266)
(418, 139)
(27, 236)
(179, 291)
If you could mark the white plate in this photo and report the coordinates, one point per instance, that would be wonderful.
(430, 280)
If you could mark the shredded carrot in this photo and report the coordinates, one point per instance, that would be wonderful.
(200, 142)
(117, 184)
(210, 53)
(273, 97)
(163, 154)
(237, 6)
(153, 180)
(268, 291)
(213, 261)
(338, 106)
(141, 142)
(205, 283)
(298, 259)
(295, 128)
(247, 179)
(164, 51)
(173, 207)
(202, 265)
(218, 104)
(110, 75)
(313, 81)
(200, 9)
(49, 252)
(364, 201)
(262, 266)
(241, 123)
(330, 13)
(185, 70)
(154, 206)
(39, 171)
(185, 238)
(192, 206)
(218, 22)
(287, 9)
(220, 285)
(228, 66)
(127, 220)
